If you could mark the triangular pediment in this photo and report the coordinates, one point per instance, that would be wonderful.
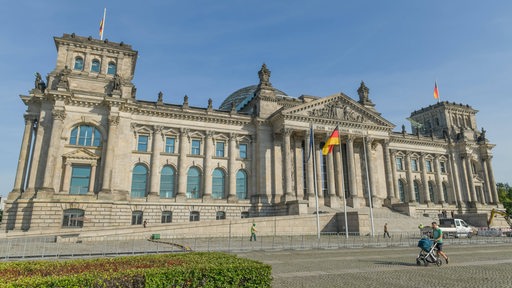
(339, 108)
(82, 154)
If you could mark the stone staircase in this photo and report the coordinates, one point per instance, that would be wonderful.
(397, 221)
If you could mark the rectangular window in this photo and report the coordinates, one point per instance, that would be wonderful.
(220, 215)
(399, 164)
(219, 149)
(196, 147)
(194, 216)
(428, 165)
(80, 178)
(137, 217)
(142, 144)
(243, 151)
(414, 164)
(170, 143)
(443, 166)
(73, 218)
(166, 216)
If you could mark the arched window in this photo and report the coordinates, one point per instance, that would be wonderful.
(193, 183)
(241, 184)
(431, 192)
(218, 184)
(73, 218)
(79, 64)
(85, 135)
(95, 66)
(417, 191)
(401, 190)
(139, 181)
(112, 68)
(167, 180)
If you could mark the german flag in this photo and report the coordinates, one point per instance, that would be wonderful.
(334, 139)
(436, 91)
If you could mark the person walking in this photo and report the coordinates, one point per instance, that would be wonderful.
(386, 233)
(253, 232)
(437, 234)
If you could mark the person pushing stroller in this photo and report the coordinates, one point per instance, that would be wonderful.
(437, 234)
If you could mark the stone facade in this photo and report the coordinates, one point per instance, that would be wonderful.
(93, 156)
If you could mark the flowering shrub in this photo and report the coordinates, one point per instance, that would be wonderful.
(163, 270)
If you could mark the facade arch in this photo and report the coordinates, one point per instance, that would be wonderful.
(140, 173)
(168, 182)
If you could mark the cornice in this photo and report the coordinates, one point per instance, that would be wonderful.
(189, 114)
(421, 141)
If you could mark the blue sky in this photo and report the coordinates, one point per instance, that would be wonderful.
(209, 49)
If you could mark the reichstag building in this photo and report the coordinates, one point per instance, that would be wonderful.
(94, 156)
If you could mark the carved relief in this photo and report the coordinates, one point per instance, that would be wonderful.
(59, 115)
(336, 110)
(113, 120)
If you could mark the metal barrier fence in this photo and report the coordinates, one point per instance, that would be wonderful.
(49, 247)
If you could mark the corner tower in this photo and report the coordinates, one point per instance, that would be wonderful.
(93, 67)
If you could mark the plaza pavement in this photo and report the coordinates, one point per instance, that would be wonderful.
(304, 261)
(488, 265)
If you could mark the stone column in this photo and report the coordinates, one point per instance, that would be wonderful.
(298, 176)
(371, 171)
(208, 145)
(424, 179)
(454, 175)
(439, 182)
(112, 138)
(310, 170)
(287, 164)
(253, 185)
(182, 164)
(157, 148)
(469, 179)
(338, 164)
(331, 183)
(410, 180)
(35, 157)
(396, 195)
(319, 184)
(352, 172)
(388, 169)
(58, 116)
(66, 177)
(21, 171)
(492, 182)
(92, 180)
(232, 168)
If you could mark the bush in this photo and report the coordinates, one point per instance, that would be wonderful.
(171, 270)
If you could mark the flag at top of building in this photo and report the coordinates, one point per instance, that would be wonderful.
(102, 23)
(334, 139)
(436, 91)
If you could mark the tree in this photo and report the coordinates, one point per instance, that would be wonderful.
(505, 196)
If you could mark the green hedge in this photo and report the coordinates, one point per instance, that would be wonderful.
(163, 270)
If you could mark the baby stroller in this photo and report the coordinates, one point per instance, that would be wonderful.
(428, 252)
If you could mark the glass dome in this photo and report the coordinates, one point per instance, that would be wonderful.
(241, 97)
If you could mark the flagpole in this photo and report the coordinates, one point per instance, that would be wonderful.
(368, 185)
(344, 196)
(103, 23)
(314, 184)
